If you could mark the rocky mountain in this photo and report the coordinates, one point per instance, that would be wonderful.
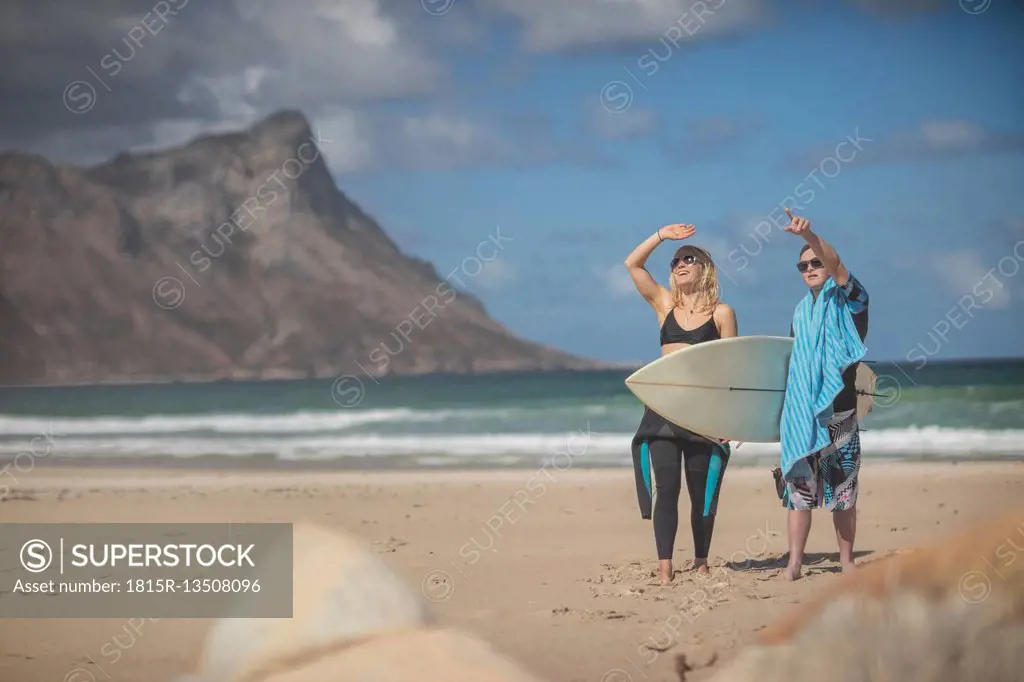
(234, 256)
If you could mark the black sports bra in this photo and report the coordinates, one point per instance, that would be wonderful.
(676, 334)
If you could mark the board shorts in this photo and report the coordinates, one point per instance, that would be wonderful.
(834, 470)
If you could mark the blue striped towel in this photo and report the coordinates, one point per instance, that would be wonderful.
(825, 343)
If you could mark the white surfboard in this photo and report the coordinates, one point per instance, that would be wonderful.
(866, 382)
(729, 388)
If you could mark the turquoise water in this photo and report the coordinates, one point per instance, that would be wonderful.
(948, 410)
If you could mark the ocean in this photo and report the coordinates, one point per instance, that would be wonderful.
(942, 411)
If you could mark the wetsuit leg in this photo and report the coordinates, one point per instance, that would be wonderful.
(705, 468)
(666, 470)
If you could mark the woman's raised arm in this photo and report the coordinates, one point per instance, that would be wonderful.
(635, 262)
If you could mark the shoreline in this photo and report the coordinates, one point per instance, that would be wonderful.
(12, 469)
(99, 478)
(289, 375)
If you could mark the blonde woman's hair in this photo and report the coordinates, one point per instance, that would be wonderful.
(708, 292)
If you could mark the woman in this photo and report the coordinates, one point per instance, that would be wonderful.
(689, 313)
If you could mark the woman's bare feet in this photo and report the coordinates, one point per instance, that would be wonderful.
(701, 566)
(791, 572)
(848, 566)
(665, 571)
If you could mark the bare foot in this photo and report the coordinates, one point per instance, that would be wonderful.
(791, 573)
(666, 572)
(701, 566)
(848, 567)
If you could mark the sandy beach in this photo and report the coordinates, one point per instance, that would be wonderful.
(555, 568)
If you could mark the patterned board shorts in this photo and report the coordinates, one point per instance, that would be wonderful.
(834, 470)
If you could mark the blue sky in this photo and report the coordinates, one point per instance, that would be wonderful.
(449, 119)
(718, 133)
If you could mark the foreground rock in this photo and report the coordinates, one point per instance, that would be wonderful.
(353, 620)
(951, 612)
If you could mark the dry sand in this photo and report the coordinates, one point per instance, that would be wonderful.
(563, 581)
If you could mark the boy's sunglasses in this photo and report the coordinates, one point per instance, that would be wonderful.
(689, 259)
(805, 265)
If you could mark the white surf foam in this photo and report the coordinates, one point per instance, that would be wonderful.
(593, 448)
(322, 448)
(296, 422)
(301, 422)
(928, 441)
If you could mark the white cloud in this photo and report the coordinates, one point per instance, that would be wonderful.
(742, 245)
(719, 130)
(435, 140)
(630, 124)
(554, 25)
(967, 273)
(715, 244)
(950, 135)
(222, 65)
(616, 281)
(342, 49)
(929, 139)
(496, 274)
(351, 148)
(213, 66)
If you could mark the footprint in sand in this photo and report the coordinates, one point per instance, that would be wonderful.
(390, 545)
(590, 615)
(690, 589)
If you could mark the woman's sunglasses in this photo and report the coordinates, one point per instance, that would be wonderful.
(689, 259)
(805, 265)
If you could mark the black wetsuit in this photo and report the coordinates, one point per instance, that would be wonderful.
(662, 451)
